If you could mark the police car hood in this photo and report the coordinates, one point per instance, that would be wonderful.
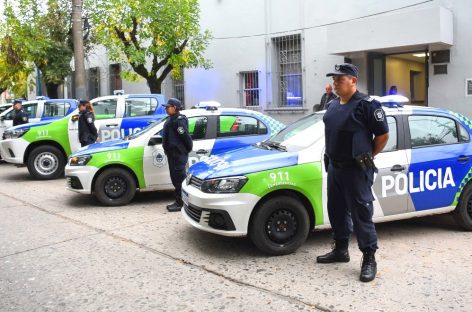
(242, 161)
(100, 147)
(31, 125)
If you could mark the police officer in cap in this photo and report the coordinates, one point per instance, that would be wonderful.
(88, 133)
(20, 117)
(177, 144)
(355, 131)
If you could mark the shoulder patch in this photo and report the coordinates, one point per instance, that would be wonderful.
(180, 130)
(379, 114)
(89, 120)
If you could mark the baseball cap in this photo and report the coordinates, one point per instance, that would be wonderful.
(344, 69)
(17, 101)
(174, 102)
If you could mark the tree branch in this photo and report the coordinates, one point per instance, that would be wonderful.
(157, 65)
(140, 69)
(133, 33)
(165, 72)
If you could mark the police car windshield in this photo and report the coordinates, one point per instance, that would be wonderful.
(301, 133)
(145, 130)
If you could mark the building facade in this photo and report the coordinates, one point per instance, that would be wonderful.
(272, 55)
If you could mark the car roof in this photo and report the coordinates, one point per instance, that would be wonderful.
(220, 111)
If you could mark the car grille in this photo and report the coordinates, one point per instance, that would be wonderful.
(196, 182)
(74, 183)
(193, 213)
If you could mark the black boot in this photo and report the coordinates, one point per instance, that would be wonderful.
(176, 206)
(369, 266)
(340, 253)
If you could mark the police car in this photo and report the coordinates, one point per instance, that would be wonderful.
(44, 146)
(114, 170)
(275, 192)
(41, 109)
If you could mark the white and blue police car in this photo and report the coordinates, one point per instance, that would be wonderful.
(116, 169)
(275, 192)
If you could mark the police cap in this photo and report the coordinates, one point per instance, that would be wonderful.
(17, 101)
(344, 69)
(83, 102)
(174, 102)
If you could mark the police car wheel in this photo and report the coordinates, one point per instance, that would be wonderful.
(279, 226)
(115, 187)
(46, 162)
(463, 212)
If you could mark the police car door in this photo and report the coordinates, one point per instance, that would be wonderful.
(30, 108)
(439, 160)
(106, 121)
(108, 117)
(155, 165)
(392, 164)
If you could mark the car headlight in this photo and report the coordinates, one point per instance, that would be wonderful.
(79, 160)
(14, 133)
(223, 185)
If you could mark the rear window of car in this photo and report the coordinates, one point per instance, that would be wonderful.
(232, 125)
(135, 107)
(432, 130)
(105, 109)
(55, 109)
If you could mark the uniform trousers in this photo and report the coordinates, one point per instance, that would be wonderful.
(177, 162)
(350, 204)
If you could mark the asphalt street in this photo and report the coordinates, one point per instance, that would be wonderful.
(61, 251)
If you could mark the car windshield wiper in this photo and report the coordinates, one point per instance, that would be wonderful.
(274, 145)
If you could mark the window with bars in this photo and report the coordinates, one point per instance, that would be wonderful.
(178, 88)
(93, 82)
(249, 82)
(288, 70)
(115, 78)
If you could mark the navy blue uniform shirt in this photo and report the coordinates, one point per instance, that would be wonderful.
(21, 117)
(175, 137)
(87, 131)
(349, 128)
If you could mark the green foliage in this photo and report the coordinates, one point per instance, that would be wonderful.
(153, 37)
(38, 33)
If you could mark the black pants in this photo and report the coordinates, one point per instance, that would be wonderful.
(177, 163)
(350, 203)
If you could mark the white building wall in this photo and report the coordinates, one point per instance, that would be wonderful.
(243, 32)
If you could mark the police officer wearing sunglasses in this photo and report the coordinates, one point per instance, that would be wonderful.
(355, 131)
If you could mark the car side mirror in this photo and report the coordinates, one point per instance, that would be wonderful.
(75, 117)
(155, 140)
(2, 118)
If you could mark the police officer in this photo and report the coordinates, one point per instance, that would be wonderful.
(355, 131)
(20, 117)
(88, 133)
(177, 144)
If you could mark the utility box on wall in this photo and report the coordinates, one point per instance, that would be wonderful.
(442, 56)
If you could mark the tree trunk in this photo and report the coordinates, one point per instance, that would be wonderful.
(52, 90)
(155, 85)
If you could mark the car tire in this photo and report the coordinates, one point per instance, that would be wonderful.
(279, 226)
(463, 212)
(46, 162)
(115, 187)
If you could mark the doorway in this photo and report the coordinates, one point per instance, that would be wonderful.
(407, 73)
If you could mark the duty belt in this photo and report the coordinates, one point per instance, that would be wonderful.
(343, 164)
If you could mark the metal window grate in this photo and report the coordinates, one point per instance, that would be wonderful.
(249, 88)
(93, 82)
(288, 70)
(115, 78)
(178, 88)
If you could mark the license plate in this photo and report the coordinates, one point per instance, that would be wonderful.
(185, 198)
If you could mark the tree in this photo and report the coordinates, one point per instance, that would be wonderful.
(154, 37)
(41, 35)
(13, 69)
